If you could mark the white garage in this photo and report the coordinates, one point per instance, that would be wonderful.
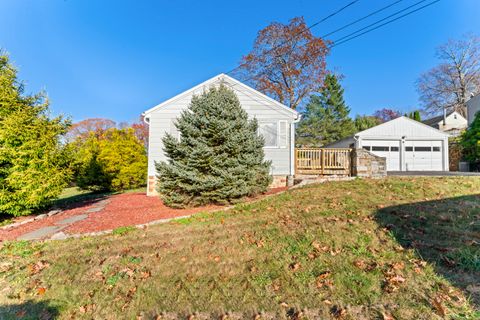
(408, 145)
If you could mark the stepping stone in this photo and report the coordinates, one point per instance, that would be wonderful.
(59, 236)
(72, 219)
(95, 209)
(40, 233)
(102, 202)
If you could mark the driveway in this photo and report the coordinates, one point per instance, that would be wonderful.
(433, 173)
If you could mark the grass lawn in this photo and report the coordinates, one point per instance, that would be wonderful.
(387, 249)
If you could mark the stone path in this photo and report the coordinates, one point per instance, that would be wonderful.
(101, 216)
(54, 232)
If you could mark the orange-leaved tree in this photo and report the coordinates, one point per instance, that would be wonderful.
(287, 62)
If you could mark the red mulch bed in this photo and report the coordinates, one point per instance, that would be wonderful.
(125, 209)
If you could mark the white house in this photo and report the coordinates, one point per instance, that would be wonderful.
(473, 106)
(407, 145)
(276, 124)
(453, 124)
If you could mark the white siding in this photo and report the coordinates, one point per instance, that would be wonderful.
(161, 120)
(453, 121)
(407, 132)
(473, 106)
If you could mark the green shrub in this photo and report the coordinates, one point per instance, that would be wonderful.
(219, 157)
(115, 160)
(33, 164)
(470, 141)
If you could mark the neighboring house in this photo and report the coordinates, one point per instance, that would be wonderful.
(453, 124)
(407, 145)
(473, 106)
(276, 123)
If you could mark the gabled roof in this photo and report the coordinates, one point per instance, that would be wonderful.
(223, 78)
(438, 119)
(400, 124)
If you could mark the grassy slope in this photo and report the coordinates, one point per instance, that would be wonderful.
(332, 250)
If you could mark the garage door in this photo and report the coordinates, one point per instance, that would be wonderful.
(423, 156)
(389, 149)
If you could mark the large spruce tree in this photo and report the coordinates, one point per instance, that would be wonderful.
(33, 167)
(219, 157)
(326, 118)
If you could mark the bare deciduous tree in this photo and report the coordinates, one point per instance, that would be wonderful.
(450, 84)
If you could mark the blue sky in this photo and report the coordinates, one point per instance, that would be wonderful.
(115, 59)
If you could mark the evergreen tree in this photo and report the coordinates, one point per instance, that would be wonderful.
(33, 166)
(470, 141)
(366, 122)
(415, 115)
(219, 157)
(326, 117)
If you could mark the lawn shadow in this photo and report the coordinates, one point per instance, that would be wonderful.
(29, 310)
(445, 233)
(79, 200)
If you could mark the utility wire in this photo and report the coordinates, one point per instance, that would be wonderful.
(360, 19)
(356, 33)
(301, 32)
(384, 19)
(352, 36)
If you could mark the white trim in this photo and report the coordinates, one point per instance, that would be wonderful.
(408, 119)
(292, 148)
(279, 136)
(226, 78)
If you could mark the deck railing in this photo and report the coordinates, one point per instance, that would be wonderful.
(323, 161)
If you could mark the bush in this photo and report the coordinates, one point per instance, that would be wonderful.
(112, 161)
(33, 164)
(470, 142)
(219, 157)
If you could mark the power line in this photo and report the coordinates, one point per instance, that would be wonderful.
(301, 32)
(360, 19)
(383, 19)
(355, 34)
(351, 37)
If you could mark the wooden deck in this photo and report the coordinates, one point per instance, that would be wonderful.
(323, 161)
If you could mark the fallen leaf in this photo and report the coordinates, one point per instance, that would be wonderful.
(437, 304)
(41, 291)
(295, 266)
(387, 316)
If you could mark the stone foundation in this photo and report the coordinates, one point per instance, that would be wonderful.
(151, 190)
(278, 182)
(366, 164)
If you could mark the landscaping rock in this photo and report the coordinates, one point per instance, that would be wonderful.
(40, 216)
(53, 212)
(59, 236)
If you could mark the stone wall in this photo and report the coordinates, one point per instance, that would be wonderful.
(366, 164)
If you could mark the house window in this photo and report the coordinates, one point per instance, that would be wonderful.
(423, 149)
(394, 149)
(269, 131)
(409, 149)
(436, 149)
(379, 148)
(366, 148)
